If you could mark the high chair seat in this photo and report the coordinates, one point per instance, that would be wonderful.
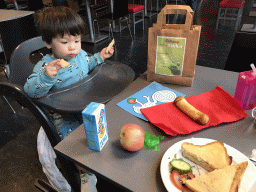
(133, 8)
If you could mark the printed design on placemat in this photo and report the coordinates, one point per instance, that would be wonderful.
(161, 96)
(151, 95)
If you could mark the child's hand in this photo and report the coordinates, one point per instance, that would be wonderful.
(52, 68)
(104, 54)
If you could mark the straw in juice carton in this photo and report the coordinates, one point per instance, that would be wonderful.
(95, 124)
(245, 92)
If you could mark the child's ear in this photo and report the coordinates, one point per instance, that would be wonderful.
(47, 45)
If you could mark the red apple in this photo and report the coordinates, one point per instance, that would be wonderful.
(132, 137)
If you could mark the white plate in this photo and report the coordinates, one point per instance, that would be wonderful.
(247, 183)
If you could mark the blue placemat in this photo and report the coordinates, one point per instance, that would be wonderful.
(153, 94)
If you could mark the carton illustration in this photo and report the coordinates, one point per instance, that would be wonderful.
(95, 124)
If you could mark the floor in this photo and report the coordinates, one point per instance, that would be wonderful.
(19, 164)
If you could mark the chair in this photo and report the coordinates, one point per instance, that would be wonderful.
(16, 4)
(231, 10)
(176, 16)
(241, 53)
(135, 9)
(117, 11)
(206, 15)
(97, 11)
(34, 5)
(57, 3)
(103, 83)
(176, 2)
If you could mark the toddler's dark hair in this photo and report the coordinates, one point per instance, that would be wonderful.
(57, 21)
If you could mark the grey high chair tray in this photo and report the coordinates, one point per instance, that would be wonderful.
(101, 85)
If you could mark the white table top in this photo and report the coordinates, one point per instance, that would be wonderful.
(6, 15)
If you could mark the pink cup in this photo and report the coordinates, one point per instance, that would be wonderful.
(245, 92)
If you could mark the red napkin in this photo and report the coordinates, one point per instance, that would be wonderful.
(219, 105)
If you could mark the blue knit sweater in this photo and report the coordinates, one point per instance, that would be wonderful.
(39, 83)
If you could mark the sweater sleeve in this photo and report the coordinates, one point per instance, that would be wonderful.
(94, 61)
(39, 83)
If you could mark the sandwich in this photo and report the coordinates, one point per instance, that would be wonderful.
(210, 156)
(222, 180)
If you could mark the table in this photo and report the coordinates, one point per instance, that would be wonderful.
(140, 171)
(15, 27)
(8, 14)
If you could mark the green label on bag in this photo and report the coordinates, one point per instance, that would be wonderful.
(170, 55)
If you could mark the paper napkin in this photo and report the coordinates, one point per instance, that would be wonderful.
(218, 104)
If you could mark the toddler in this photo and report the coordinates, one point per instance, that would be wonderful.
(61, 29)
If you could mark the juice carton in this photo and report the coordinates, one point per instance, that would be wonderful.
(245, 92)
(95, 124)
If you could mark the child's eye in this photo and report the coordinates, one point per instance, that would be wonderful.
(63, 42)
(77, 41)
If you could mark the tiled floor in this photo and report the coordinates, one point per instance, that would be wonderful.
(19, 164)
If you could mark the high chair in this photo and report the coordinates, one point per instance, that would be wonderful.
(101, 85)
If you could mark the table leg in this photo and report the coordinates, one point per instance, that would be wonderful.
(91, 38)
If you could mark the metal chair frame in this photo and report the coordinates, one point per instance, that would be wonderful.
(113, 16)
(142, 18)
(231, 14)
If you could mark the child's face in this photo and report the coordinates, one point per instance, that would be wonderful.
(66, 47)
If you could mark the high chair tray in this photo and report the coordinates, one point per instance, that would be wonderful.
(101, 85)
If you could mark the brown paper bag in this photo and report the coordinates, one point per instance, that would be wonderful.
(172, 48)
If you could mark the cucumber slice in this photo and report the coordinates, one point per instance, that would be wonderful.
(180, 165)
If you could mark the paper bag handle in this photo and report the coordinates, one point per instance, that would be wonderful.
(175, 9)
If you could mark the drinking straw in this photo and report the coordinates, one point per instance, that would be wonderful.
(253, 68)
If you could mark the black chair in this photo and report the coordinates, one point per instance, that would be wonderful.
(102, 84)
(97, 10)
(241, 53)
(16, 4)
(29, 5)
(57, 3)
(205, 15)
(117, 11)
(73, 4)
(34, 5)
